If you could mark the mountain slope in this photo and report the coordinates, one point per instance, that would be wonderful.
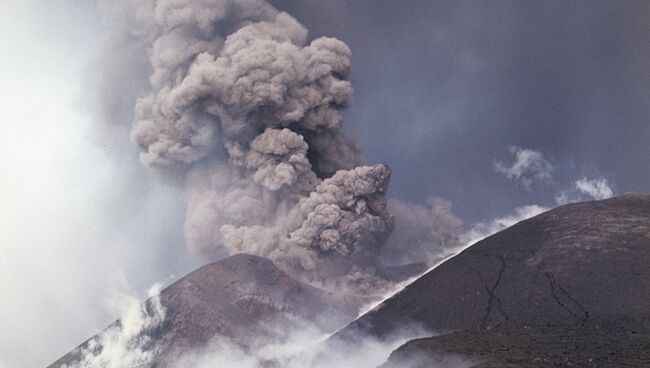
(583, 266)
(241, 298)
(504, 347)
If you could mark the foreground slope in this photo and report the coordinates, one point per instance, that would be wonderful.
(580, 272)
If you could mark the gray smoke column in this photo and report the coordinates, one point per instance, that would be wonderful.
(242, 92)
(249, 114)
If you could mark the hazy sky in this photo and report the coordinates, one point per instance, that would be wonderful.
(443, 91)
(71, 230)
(442, 88)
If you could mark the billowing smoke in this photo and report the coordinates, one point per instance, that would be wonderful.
(245, 91)
(248, 114)
(336, 229)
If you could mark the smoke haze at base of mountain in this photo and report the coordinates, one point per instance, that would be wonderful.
(241, 311)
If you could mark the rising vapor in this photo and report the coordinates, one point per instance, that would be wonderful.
(528, 167)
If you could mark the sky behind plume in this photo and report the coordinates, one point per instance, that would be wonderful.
(442, 92)
(444, 88)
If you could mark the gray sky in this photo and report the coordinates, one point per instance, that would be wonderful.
(442, 90)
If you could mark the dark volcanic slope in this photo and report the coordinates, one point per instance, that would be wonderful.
(582, 266)
(527, 348)
(231, 297)
(239, 298)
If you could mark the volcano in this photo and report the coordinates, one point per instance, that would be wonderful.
(242, 298)
(569, 287)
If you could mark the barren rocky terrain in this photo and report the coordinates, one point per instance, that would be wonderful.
(242, 298)
(569, 287)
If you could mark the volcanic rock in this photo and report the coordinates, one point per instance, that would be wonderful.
(569, 287)
(243, 299)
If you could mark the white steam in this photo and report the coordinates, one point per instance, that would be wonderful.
(129, 343)
(125, 344)
(303, 349)
(595, 188)
(585, 189)
(482, 230)
(528, 167)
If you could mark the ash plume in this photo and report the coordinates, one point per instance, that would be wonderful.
(421, 233)
(248, 114)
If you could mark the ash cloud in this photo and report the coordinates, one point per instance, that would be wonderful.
(247, 114)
